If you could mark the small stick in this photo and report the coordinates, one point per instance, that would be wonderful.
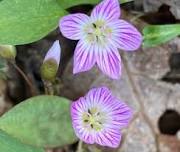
(29, 83)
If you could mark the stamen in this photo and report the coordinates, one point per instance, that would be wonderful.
(86, 121)
(98, 33)
(89, 111)
(93, 118)
(94, 25)
(97, 38)
(99, 122)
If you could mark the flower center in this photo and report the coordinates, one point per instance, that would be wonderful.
(93, 119)
(98, 32)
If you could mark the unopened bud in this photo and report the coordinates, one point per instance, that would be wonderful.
(50, 64)
(7, 51)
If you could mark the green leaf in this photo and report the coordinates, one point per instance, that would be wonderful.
(158, 34)
(70, 3)
(42, 121)
(9, 144)
(26, 21)
(125, 1)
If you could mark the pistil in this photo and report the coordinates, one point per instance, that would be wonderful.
(98, 33)
(92, 118)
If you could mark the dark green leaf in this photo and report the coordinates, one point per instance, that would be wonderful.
(158, 34)
(9, 144)
(26, 21)
(42, 121)
(70, 3)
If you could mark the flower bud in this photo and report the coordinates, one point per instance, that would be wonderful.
(50, 64)
(7, 51)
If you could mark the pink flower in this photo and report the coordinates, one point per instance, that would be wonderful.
(54, 53)
(100, 36)
(50, 65)
(99, 116)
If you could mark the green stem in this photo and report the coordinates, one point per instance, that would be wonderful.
(48, 87)
(80, 148)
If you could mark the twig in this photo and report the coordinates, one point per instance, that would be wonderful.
(28, 81)
(136, 93)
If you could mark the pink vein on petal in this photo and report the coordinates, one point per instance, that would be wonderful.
(109, 61)
(125, 35)
(107, 9)
(71, 25)
(84, 57)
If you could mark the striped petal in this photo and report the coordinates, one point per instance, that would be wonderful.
(121, 113)
(109, 61)
(110, 138)
(101, 96)
(125, 36)
(84, 57)
(71, 26)
(77, 108)
(107, 9)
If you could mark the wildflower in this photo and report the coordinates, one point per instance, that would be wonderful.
(99, 116)
(50, 64)
(100, 36)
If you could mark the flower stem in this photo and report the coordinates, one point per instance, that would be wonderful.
(48, 87)
(79, 148)
(28, 81)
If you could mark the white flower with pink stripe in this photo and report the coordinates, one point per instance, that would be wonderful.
(100, 36)
(99, 117)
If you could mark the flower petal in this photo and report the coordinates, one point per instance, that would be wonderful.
(71, 26)
(99, 96)
(84, 58)
(54, 52)
(76, 110)
(125, 35)
(107, 9)
(109, 61)
(121, 113)
(109, 138)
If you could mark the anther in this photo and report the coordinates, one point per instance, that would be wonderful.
(98, 113)
(94, 25)
(86, 121)
(89, 111)
(100, 122)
